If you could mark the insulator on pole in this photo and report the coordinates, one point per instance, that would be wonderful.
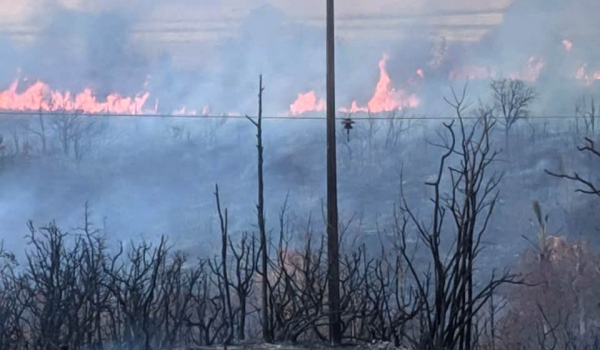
(347, 123)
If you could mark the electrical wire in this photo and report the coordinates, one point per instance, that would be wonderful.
(287, 118)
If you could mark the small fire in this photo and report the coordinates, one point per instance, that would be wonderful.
(567, 44)
(585, 77)
(417, 78)
(39, 96)
(184, 111)
(580, 73)
(385, 98)
(307, 102)
(532, 70)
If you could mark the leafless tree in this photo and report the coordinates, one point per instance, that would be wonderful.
(11, 309)
(135, 286)
(267, 334)
(246, 260)
(297, 288)
(76, 132)
(222, 270)
(587, 113)
(588, 186)
(206, 320)
(397, 125)
(451, 300)
(512, 99)
(16, 140)
(212, 130)
(181, 133)
(2, 152)
(39, 131)
(176, 299)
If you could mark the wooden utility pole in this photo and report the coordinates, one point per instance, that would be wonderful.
(335, 329)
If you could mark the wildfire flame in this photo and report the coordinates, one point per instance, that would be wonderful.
(385, 97)
(532, 70)
(585, 77)
(39, 96)
(567, 44)
(184, 111)
(307, 102)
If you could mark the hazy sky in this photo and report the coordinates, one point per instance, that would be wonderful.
(176, 26)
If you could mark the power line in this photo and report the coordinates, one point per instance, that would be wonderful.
(280, 117)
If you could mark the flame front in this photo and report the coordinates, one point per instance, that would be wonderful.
(532, 70)
(39, 96)
(183, 111)
(385, 97)
(585, 77)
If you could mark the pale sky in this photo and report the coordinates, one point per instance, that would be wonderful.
(200, 15)
(172, 25)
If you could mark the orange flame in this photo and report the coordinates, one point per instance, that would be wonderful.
(585, 77)
(307, 102)
(184, 111)
(532, 69)
(417, 78)
(39, 96)
(567, 44)
(385, 98)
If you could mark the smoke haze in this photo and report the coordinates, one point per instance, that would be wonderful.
(156, 176)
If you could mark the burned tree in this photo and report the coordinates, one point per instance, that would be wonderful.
(450, 297)
(221, 270)
(51, 267)
(246, 261)
(76, 132)
(40, 131)
(66, 127)
(135, 287)
(12, 309)
(588, 186)
(205, 321)
(267, 335)
(178, 281)
(588, 114)
(512, 99)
